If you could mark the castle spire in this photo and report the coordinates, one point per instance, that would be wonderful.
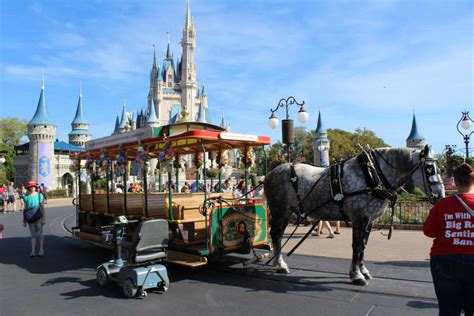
(154, 57)
(123, 120)
(41, 116)
(319, 127)
(414, 133)
(202, 114)
(79, 118)
(188, 24)
(152, 119)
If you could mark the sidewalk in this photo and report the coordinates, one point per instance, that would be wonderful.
(405, 245)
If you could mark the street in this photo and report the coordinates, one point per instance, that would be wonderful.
(63, 282)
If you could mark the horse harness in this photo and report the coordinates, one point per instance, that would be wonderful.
(376, 182)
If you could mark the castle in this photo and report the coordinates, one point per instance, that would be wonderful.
(173, 96)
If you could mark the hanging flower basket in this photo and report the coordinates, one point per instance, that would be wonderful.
(142, 159)
(120, 163)
(248, 158)
(166, 157)
(198, 160)
(89, 166)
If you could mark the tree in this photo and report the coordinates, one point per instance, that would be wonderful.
(11, 131)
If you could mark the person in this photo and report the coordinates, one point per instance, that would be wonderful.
(327, 225)
(3, 197)
(35, 199)
(11, 196)
(186, 188)
(239, 190)
(44, 191)
(450, 223)
(227, 187)
(21, 194)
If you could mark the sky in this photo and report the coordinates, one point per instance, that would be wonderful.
(363, 64)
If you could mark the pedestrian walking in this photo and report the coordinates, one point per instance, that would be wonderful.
(11, 197)
(450, 223)
(44, 191)
(34, 203)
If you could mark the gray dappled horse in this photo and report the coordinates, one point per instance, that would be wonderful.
(397, 165)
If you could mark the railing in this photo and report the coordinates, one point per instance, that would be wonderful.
(410, 212)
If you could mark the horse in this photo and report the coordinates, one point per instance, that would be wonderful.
(358, 203)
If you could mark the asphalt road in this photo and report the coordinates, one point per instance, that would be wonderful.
(63, 282)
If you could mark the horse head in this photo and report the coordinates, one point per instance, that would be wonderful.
(425, 173)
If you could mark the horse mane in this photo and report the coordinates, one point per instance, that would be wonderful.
(396, 156)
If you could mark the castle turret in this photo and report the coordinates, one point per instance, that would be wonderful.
(321, 145)
(152, 119)
(415, 139)
(42, 133)
(123, 124)
(80, 128)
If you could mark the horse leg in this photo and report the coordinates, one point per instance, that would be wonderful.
(276, 232)
(362, 267)
(359, 234)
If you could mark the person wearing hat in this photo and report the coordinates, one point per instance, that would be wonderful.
(35, 199)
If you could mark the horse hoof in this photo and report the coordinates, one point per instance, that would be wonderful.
(359, 282)
(367, 276)
(283, 271)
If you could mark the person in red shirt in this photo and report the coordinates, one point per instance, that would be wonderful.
(451, 224)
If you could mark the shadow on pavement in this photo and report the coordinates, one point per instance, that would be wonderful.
(421, 305)
(413, 264)
(61, 254)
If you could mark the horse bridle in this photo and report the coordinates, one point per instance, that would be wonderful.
(429, 168)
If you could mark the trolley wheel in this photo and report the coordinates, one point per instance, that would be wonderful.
(129, 289)
(102, 277)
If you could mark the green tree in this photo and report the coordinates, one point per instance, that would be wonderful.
(11, 131)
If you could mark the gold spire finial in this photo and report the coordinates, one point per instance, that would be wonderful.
(80, 88)
(188, 25)
(42, 82)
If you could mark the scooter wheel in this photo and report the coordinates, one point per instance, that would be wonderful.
(129, 289)
(102, 277)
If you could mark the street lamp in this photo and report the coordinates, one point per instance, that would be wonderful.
(465, 122)
(288, 135)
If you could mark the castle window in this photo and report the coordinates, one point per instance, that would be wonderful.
(170, 85)
(170, 77)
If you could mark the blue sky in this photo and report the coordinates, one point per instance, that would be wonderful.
(363, 63)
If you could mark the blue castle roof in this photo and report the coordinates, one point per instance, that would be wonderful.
(41, 116)
(152, 118)
(202, 114)
(319, 127)
(415, 133)
(58, 145)
(123, 120)
(79, 118)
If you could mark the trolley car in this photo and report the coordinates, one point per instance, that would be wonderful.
(202, 225)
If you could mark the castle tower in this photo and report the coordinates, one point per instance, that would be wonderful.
(79, 134)
(415, 139)
(321, 145)
(188, 72)
(42, 132)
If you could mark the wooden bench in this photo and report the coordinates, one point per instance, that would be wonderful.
(116, 204)
(135, 205)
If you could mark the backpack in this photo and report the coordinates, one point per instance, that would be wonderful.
(34, 213)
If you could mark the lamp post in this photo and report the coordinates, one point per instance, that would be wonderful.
(288, 134)
(465, 122)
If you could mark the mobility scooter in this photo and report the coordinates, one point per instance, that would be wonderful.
(141, 271)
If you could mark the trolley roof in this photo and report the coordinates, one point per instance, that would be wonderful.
(184, 138)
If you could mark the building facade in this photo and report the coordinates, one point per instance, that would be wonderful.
(44, 158)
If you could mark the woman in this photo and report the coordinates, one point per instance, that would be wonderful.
(451, 224)
(35, 199)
